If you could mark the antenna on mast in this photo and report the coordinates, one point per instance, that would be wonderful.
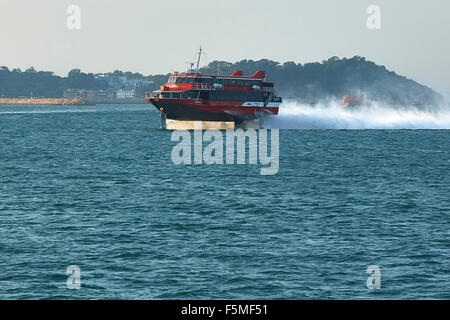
(199, 56)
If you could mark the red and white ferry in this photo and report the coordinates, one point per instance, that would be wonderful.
(201, 97)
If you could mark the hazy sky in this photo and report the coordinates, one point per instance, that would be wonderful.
(160, 36)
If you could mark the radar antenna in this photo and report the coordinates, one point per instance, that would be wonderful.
(191, 64)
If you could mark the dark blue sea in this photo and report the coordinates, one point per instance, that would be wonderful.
(95, 187)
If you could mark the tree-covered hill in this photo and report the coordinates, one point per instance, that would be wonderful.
(334, 78)
(16, 83)
(310, 82)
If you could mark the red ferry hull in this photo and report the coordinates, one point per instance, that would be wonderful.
(194, 110)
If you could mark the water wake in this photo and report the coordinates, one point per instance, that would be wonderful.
(334, 116)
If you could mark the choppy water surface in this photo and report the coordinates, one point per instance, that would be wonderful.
(95, 187)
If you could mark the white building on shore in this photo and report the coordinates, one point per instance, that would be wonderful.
(125, 93)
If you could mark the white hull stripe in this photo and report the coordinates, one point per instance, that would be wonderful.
(261, 104)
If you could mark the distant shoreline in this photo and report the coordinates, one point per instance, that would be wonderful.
(43, 101)
(65, 101)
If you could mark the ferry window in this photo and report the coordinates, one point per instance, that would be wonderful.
(191, 95)
(200, 80)
(233, 82)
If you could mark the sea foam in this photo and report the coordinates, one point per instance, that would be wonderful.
(333, 115)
